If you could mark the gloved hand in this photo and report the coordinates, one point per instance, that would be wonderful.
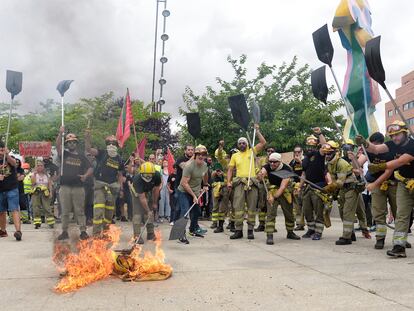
(376, 168)
(361, 141)
(410, 185)
(331, 188)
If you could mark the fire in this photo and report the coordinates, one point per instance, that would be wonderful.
(95, 260)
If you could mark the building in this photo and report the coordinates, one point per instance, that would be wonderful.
(404, 97)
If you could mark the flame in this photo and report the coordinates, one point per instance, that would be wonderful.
(95, 260)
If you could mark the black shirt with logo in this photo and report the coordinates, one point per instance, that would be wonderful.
(179, 169)
(107, 167)
(407, 170)
(141, 186)
(297, 168)
(10, 176)
(74, 164)
(314, 167)
(275, 180)
(377, 159)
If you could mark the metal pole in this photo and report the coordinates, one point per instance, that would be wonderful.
(8, 132)
(399, 111)
(163, 51)
(155, 58)
(63, 135)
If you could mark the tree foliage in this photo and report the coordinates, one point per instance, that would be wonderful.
(288, 109)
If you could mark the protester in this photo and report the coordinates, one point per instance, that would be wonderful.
(164, 204)
(175, 212)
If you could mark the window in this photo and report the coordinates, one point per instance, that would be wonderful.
(410, 121)
(390, 113)
(408, 105)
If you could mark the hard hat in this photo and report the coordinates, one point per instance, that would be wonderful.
(122, 263)
(200, 149)
(330, 147)
(311, 140)
(71, 137)
(147, 168)
(397, 127)
(349, 142)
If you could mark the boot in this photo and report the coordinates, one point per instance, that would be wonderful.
(397, 251)
(379, 244)
(213, 225)
(37, 226)
(317, 236)
(365, 234)
(228, 225)
(219, 228)
(260, 228)
(250, 234)
(292, 236)
(407, 245)
(232, 227)
(83, 235)
(238, 234)
(63, 236)
(343, 241)
(151, 236)
(308, 234)
(353, 236)
(269, 240)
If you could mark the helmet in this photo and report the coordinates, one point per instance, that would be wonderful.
(311, 140)
(330, 147)
(71, 137)
(349, 142)
(25, 166)
(122, 263)
(147, 168)
(111, 138)
(397, 127)
(200, 149)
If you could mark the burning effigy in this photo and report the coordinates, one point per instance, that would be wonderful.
(95, 259)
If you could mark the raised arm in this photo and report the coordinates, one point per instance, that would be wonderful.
(262, 141)
(88, 146)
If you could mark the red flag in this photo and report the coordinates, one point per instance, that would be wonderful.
(125, 121)
(140, 151)
(171, 161)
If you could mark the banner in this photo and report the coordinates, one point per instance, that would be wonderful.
(35, 148)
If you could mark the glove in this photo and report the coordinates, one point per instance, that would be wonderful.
(331, 188)
(361, 141)
(376, 168)
(410, 185)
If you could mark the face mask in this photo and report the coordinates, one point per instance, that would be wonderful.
(112, 150)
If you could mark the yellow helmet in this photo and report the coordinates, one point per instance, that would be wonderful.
(311, 140)
(397, 127)
(330, 147)
(349, 142)
(200, 149)
(122, 263)
(147, 168)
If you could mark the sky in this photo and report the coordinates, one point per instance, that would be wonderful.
(107, 45)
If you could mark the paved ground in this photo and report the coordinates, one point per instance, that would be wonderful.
(218, 274)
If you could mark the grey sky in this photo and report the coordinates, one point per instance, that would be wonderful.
(108, 44)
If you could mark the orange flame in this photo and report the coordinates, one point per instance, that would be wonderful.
(94, 261)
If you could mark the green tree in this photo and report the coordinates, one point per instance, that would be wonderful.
(288, 108)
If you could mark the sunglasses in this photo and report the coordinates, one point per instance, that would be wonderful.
(112, 143)
(270, 151)
(274, 162)
(242, 143)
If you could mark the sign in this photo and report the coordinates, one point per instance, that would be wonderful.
(35, 148)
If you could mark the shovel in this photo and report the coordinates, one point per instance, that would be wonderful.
(194, 124)
(284, 174)
(178, 230)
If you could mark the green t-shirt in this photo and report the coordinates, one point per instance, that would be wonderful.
(196, 173)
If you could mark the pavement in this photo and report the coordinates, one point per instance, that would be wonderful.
(216, 273)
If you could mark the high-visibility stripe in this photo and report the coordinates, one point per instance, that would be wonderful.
(50, 220)
(99, 205)
(107, 221)
(97, 221)
(108, 207)
(37, 221)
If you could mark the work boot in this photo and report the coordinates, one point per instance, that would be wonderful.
(343, 241)
(250, 234)
(37, 226)
(397, 251)
(300, 228)
(51, 226)
(238, 234)
(260, 228)
(269, 240)
(292, 236)
(365, 234)
(407, 245)
(151, 236)
(317, 236)
(379, 244)
(63, 236)
(184, 240)
(213, 225)
(18, 235)
(232, 227)
(83, 235)
(219, 227)
(308, 234)
(353, 236)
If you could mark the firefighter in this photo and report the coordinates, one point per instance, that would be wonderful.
(145, 190)
(402, 146)
(244, 191)
(108, 181)
(41, 196)
(278, 194)
(345, 183)
(297, 167)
